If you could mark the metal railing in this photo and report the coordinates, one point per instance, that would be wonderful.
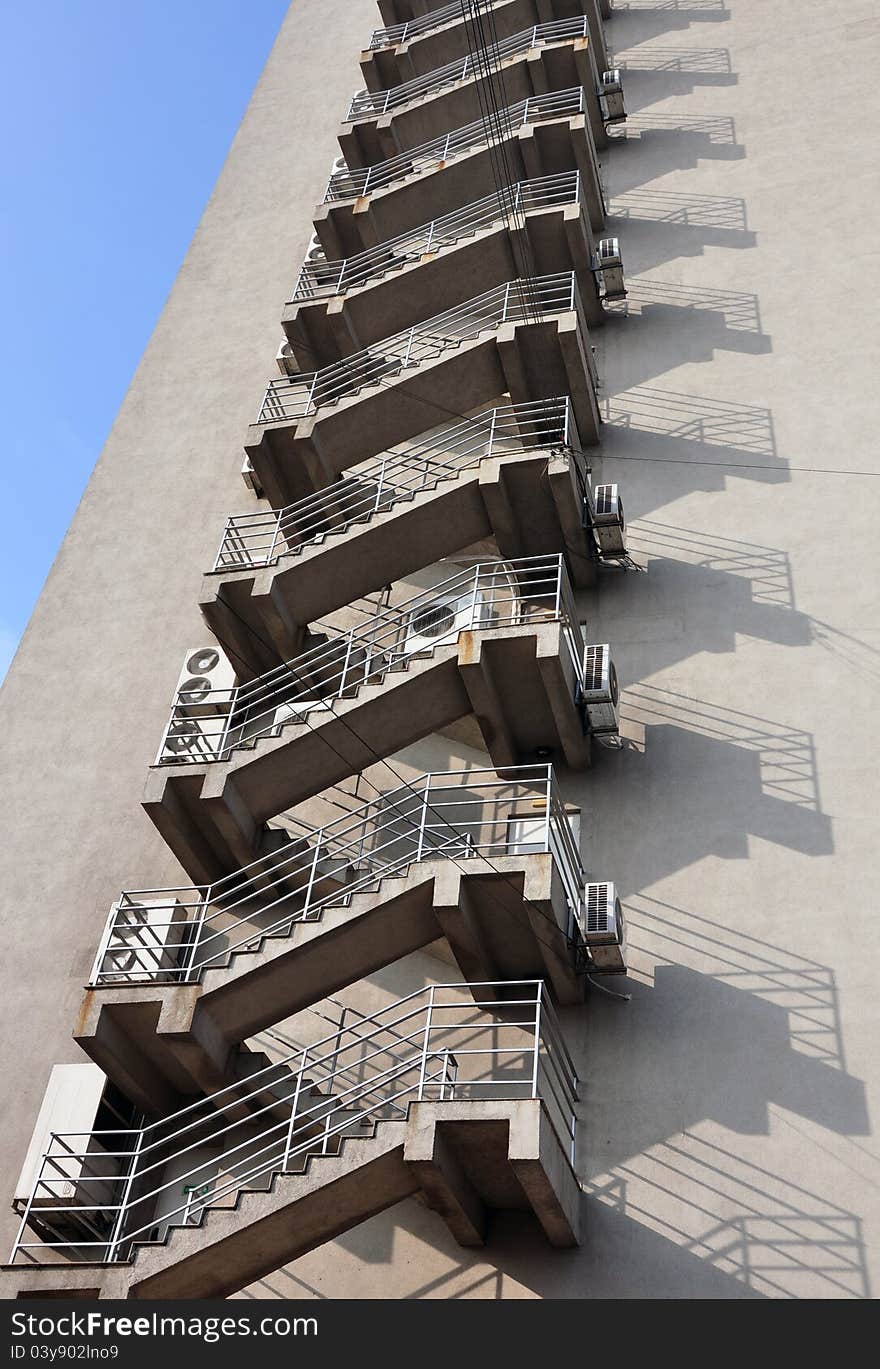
(348, 184)
(263, 537)
(210, 724)
(518, 301)
(414, 28)
(319, 279)
(99, 1195)
(174, 935)
(367, 104)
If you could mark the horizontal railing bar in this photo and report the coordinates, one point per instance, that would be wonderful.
(369, 104)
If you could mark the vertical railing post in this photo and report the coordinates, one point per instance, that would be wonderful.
(537, 1047)
(473, 612)
(299, 1078)
(559, 570)
(193, 947)
(312, 872)
(423, 817)
(345, 664)
(379, 486)
(123, 1202)
(275, 536)
(429, 1012)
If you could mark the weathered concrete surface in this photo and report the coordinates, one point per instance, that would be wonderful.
(542, 148)
(520, 682)
(87, 695)
(529, 506)
(389, 66)
(508, 919)
(467, 1157)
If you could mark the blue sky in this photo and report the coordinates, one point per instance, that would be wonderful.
(114, 122)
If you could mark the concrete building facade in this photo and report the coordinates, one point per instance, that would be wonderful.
(723, 1116)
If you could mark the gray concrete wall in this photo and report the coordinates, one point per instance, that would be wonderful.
(87, 697)
(728, 1110)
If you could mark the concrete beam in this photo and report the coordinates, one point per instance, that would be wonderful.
(537, 71)
(212, 814)
(540, 149)
(503, 920)
(527, 361)
(554, 240)
(465, 1157)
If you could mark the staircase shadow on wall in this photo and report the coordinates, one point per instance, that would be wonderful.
(700, 589)
(671, 325)
(655, 144)
(663, 72)
(660, 226)
(700, 441)
(637, 22)
(710, 779)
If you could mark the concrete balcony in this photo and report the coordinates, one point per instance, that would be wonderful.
(527, 340)
(415, 46)
(499, 640)
(342, 307)
(482, 869)
(542, 136)
(514, 474)
(438, 1094)
(535, 61)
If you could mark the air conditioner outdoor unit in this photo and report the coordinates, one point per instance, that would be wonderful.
(203, 699)
(438, 622)
(70, 1104)
(314, 251)
(601, 692)
(250, 478)
(286, 361)
(142, 939)
(611, 94)
(609, 524)
(604, 929)
(610, 268)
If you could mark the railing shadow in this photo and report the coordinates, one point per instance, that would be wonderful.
(710, 780)
(664, 72)
(732, 589)
(652, 145)
(662, 226)
(638, 21)
(677, 325)
(752, 594)
(724, 1029)
(700, 441)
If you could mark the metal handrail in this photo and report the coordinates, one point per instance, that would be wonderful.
(413, 28)
(319, 279)
(263, 537)
(520, 300)
(173, 935)
(210, 725)
(349, 184)
(368, 104)
(98, 1195)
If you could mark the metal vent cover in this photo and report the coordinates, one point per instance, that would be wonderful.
(606, 500)
(433, 621)
(597, 897)
(609, 249)
(595, 666)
